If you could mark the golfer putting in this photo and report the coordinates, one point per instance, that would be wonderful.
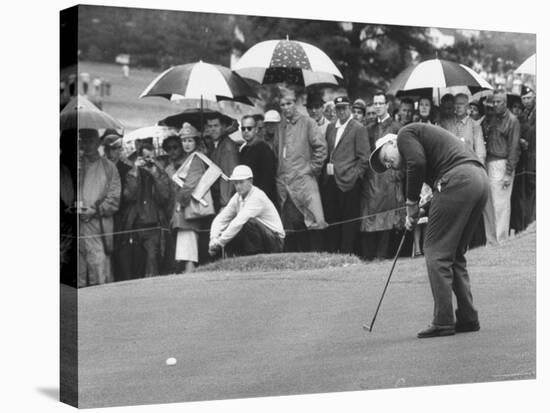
(460, 187)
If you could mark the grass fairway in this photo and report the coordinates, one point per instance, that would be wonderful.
(247, 334)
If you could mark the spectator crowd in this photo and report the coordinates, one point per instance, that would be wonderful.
(300, 181)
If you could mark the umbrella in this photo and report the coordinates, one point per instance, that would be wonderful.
(435, 73)
(529, 67)
(80, 113)
(158, 133)
(200, 81)
(195, 117)
(276, 61)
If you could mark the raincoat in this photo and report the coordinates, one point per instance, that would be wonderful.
(302, 151)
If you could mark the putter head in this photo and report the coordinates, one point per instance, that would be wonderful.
(367, 328)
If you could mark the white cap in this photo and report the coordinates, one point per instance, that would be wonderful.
(374, 159)
(240, 173)
(272, 116)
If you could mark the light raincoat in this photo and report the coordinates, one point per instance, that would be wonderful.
(302, 151)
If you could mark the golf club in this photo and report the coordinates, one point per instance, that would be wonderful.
(368, 327)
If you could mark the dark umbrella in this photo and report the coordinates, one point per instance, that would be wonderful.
(195, 117)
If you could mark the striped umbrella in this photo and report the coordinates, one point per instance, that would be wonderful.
(200, 81)
(425, 76)
(80, 113)
(277, 61)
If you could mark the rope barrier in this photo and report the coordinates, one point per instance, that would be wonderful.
(207, 230)
(286, 230)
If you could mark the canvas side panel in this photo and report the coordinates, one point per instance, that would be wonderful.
(68, 218)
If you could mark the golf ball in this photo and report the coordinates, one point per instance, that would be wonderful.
(171, 361)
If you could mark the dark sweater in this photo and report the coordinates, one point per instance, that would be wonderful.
(428, 152)
(261, 159)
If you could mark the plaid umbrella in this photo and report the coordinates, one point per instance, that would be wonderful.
(277, 61)
(80, 113)
(422, 78)
(200, 81)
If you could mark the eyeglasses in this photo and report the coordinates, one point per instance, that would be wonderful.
(171, 148)
(247, 128)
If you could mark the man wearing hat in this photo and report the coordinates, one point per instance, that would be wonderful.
(301, 152)
(348, 155)
(112, 148)
(250, 223)
(314, 106)
(502, 132)
(430, 154)
(98, 199)
(359, 110)
(271, 123)
(524, 192)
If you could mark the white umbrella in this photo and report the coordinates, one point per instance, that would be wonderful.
(529, 66)
(291, 61)
(158, 133)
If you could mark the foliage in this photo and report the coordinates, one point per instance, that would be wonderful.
(368, 55)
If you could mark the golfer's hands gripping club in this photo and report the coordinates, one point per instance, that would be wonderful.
(413, 213)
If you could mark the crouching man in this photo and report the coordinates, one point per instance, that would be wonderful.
(250, 223)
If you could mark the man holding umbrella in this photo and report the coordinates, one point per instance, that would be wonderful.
(460, 186)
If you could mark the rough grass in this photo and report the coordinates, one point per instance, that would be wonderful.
(281, 262)
(521, 246)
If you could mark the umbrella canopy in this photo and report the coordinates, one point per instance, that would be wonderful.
(200, 81)
(276, 61)
(436, 73)
(529, 67)
(195, 117)
(156, 132)
(80, 113)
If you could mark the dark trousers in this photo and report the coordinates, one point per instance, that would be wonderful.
(140, 255)
(254, 238)
(523, 201)
(454, 215)
(298, 237)
(340, 206)
(377, 244)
